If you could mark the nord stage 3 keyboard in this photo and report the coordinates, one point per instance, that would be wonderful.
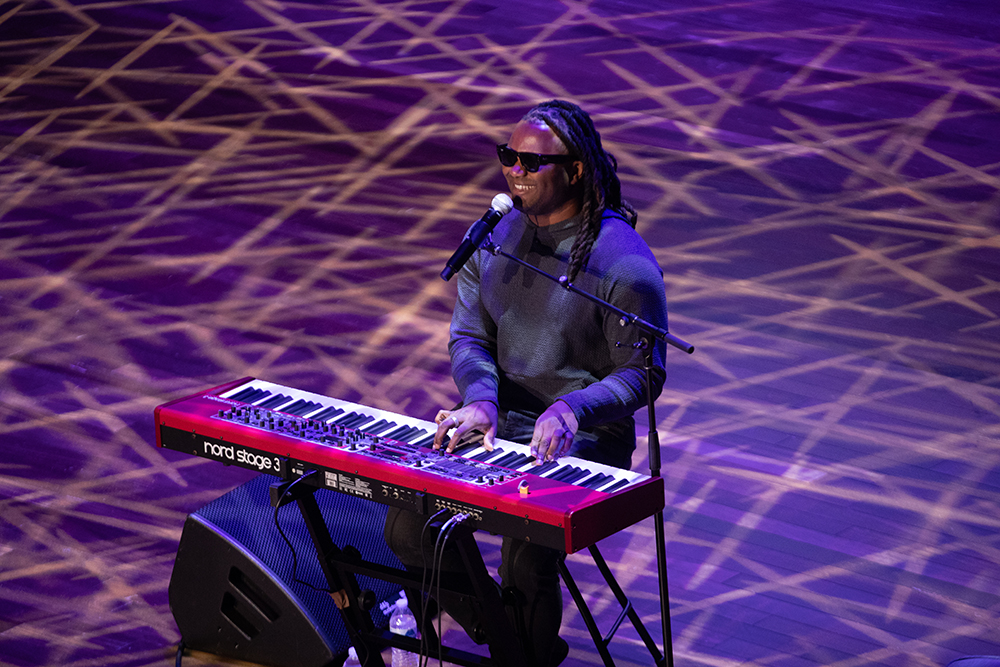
(568, 504)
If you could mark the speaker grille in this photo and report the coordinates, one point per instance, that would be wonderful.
(232, 590)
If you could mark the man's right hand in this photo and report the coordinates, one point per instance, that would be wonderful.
(478, 416)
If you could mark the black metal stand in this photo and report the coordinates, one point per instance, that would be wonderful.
(340, 565)
(653, 440)
(628, 611)
(653, 333)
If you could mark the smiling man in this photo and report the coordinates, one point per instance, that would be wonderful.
(537, 364)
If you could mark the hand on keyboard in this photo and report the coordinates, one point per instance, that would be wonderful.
(479, 416)
(554, 433)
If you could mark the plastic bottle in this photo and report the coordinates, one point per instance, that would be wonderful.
(352, 658)
(402, 622)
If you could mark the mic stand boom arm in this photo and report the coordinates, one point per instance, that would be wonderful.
(651, 331)
(627, 319)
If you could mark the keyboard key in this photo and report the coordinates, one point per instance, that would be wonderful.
(273, 402)
(327, 414)
(250, 394)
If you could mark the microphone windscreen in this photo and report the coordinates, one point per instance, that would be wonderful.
(502, 203)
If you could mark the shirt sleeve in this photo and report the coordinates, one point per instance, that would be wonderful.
(633, 282)
(473, 340)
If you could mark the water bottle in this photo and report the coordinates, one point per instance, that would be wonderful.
(402, 622)
(352, 658)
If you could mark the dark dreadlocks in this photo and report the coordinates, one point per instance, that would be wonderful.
(600, 186)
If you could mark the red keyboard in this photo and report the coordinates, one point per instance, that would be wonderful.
(569, 504)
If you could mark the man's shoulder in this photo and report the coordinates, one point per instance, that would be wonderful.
(617, 235)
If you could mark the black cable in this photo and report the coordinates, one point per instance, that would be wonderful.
(180, 653)
(291, 547)
(443, 537)
(424, 586)
(438, 564)
(295, 559)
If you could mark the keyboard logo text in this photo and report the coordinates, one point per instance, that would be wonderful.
(241, 456)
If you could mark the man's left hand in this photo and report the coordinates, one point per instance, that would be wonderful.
(554, 432)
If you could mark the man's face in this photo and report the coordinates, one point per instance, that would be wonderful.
(551, 194)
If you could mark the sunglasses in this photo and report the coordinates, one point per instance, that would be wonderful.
(530, 161)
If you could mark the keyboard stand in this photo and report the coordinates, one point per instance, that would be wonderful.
(601, 642)
(341, 565)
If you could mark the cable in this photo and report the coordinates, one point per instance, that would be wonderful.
(443, 535)
(295, 560)
(438, 564)
(425, 602)
(291, 547)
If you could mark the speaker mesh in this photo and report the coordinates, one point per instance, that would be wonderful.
(240, 597)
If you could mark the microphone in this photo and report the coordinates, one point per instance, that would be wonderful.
(501, 206)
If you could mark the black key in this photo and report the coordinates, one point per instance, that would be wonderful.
(563, 473)
(327, 414)
(309, 408)
(274, 401)
(466, 447)
(354, 420)
(301, 408)
(577, 474)
(617, 485)
(416, 435)
(595, 481)
(291, 407)
(378, 427)
(250, 394)
(419, 435)
(349, 418)
(485, 455)
(544, 468)
(399, 433)
(514, 460)
(426, 441)
(505, 459)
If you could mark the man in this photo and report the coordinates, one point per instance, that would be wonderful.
(538, 364)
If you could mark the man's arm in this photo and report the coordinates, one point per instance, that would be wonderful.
(472, 347)
(633, 284)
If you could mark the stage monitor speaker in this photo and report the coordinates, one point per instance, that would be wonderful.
(232, 593)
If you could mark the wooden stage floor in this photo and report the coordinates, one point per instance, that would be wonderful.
(196, 191)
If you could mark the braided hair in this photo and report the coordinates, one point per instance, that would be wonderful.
(600, 186)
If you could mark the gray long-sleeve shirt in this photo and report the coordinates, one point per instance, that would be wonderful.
(521, 341)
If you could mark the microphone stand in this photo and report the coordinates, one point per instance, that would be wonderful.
(651, 332)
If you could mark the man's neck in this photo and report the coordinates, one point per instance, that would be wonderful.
(568, 210)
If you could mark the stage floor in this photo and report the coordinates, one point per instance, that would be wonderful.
(196, 191)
